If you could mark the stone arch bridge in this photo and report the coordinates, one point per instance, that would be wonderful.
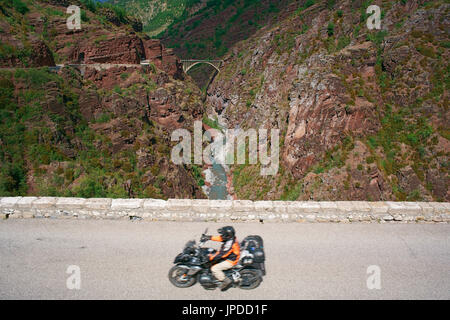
(188, 64)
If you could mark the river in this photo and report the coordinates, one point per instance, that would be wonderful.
(216, 175)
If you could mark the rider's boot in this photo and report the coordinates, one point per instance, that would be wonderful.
(226, 284)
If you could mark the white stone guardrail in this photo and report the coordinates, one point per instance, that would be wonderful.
(224, 210)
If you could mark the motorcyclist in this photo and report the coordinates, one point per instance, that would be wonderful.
(226, 257)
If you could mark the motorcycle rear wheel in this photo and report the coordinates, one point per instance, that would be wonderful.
(179, 277)
(250, 279)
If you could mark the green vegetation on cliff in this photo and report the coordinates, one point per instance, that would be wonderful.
(156, 15)
(39, 143)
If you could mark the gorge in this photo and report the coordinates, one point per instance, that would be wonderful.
(362, 114)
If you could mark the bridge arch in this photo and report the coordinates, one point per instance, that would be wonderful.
(188, 64)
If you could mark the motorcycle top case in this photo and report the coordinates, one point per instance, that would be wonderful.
(255, 245)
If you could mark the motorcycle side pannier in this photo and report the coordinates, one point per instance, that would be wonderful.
(255, 245)
(259, 256)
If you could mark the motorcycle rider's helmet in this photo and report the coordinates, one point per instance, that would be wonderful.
(227, 232)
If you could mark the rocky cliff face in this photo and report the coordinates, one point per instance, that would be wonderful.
(98, 128)
(362, 113)
(104, 37)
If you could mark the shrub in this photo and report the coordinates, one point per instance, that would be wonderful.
(6, 51)
(90, 187)
(84, 16)
(117, 89)
(343, 42)
(426, 51)
(330, 4)
(211, 123)
(19, 6)
(197, 173)
(356, 31)
(69, 175)
(330, 29)
(292, 193)
(318, 169)
(370, 159)
(414, 195)
(36, 77)
(377, 37)
(90, 5)
(309, 3)
(12, 179)
(103, 118)
(54, 12)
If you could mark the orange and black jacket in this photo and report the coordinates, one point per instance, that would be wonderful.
(230, 250)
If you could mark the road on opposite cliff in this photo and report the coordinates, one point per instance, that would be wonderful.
(130, 260)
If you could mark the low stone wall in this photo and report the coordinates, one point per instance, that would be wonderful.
(224, 210)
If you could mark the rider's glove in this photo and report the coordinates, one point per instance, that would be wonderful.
(205, 238)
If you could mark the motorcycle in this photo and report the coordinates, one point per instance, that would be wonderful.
(193, 265)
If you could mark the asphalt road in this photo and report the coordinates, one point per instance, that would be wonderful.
(130, 260)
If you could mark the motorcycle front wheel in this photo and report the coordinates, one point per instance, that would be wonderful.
(250, 279)
(178, 276)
